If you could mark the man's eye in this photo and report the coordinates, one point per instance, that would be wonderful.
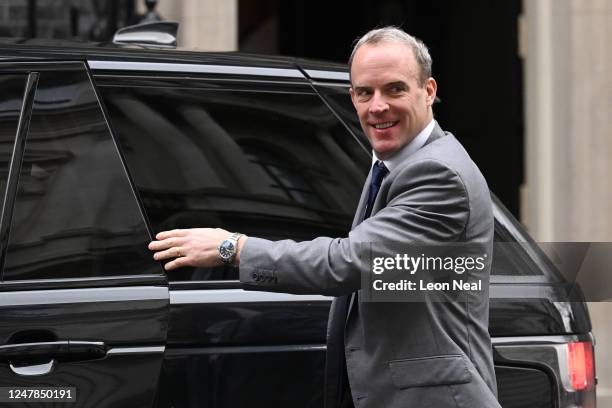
(364, 95)
(397, 89)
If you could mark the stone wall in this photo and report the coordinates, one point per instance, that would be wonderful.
(568, 116)
(208, 25)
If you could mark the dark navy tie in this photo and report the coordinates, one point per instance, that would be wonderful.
(379, 171)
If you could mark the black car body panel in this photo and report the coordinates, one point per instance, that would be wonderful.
(198, 139)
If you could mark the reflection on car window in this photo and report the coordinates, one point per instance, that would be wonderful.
(510, 257)
(339, 99)
(10, 107)
(75, 215)
(267, 163)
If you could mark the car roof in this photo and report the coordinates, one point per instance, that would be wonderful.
(12, 49)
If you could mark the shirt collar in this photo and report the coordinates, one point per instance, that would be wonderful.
(414, 145)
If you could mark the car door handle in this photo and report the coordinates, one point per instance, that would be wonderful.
(34, 369)
(24, 358)
(60, 350)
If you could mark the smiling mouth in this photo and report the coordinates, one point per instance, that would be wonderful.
(384, 125)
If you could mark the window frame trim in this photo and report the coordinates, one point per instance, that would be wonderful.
(23, 127)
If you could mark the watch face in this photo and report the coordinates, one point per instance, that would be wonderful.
(227, 249)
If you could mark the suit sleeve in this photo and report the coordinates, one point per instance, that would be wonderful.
(426, 202)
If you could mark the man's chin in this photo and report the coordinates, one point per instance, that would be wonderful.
(385, 152)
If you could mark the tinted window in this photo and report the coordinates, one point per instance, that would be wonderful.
(268, 162)
(11, 98)
(75, 214)
(510, 257)
(515, 255)
(339, 99)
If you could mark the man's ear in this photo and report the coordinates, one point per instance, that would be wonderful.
(431, 87)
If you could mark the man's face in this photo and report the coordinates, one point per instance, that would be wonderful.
(391, 104)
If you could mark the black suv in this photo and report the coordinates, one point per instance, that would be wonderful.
(103, 146)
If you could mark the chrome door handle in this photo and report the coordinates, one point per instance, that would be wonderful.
(67, 349)
(34, 370)
(25, 358)
(41, 350)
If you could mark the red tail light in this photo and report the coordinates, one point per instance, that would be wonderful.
(581, 365)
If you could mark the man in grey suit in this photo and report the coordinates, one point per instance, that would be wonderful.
(423, 188)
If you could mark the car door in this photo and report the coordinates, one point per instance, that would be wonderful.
(255, 153)
(83, 307)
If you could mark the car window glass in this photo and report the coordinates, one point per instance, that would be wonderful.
(11, 99)
(262, 161)
(510, 257)
(339, 99)
(75, 215)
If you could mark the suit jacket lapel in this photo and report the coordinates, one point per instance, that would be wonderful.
(436, 133)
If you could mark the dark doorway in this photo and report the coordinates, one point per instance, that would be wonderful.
(474, 46)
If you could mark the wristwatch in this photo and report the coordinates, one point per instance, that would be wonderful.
(227, 249)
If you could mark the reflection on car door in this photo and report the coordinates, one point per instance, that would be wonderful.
(83, 307)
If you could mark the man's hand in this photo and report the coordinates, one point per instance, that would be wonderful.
(192, 247)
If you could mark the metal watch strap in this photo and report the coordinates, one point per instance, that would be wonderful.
(235, 237)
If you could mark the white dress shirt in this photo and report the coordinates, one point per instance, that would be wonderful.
(414, 145)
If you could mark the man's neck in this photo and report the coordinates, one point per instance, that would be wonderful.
(415, 144)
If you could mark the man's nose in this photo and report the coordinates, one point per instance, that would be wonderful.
(378, 104)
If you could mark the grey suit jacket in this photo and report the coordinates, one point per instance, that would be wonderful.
(399, 354)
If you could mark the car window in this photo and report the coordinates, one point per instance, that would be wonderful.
(516, 257)
(11, 98)
(263, 160)
(510, 257)
(339, 99)
(75, 214)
